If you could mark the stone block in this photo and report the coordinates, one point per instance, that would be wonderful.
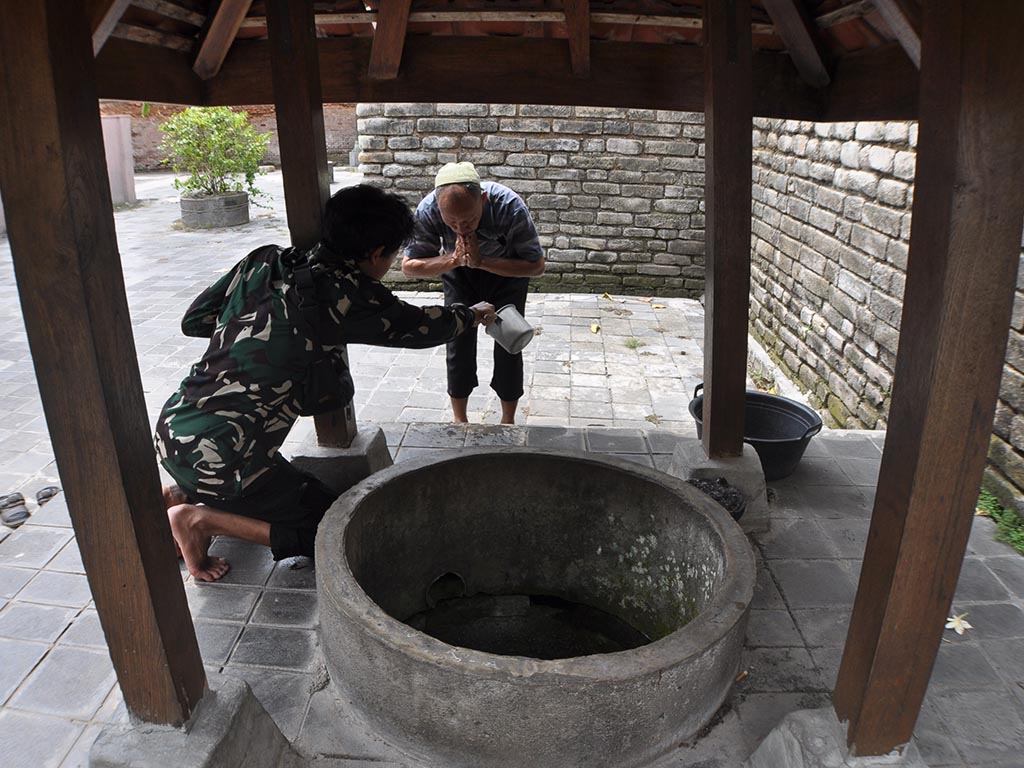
(341, 468)
(814, 738)
(689, 462)
(229, 729)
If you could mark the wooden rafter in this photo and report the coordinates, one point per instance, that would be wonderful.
(219, 37)
(150, 36)
(905, 25)
(389, 39)
(801, 38)
(171, 11)
(855, 10)
(103, 17)
(577, 23)
(515, 17)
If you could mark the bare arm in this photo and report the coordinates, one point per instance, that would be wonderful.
(513, 267)
(432, 267)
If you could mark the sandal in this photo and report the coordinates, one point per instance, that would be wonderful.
(43, 495)
(13, 511)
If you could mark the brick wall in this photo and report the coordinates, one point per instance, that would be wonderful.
(617, 195)
(831, 230)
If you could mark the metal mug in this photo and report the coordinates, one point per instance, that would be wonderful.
(510, 330)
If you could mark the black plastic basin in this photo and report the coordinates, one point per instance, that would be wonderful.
(778, 428)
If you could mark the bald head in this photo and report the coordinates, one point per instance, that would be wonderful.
(461, 206)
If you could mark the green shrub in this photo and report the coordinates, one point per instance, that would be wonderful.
(216, 147)
(1009, 525)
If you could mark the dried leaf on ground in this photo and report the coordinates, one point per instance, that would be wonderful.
(594, 327)
(608, 296)
(659, 306)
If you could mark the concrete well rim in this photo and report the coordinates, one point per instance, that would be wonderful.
(727, 607)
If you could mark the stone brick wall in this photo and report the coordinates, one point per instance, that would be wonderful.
(339, 127)
(831, 230)
(617, 195)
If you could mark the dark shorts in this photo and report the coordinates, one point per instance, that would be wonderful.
(470, 286)
(292, 501)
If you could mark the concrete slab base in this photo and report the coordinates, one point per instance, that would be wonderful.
(341, 468)
(229, 729)
(814, 738)
(689, 462)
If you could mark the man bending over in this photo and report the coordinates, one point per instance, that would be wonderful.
(219, 435)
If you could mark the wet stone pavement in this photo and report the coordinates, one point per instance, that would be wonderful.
(621, 390)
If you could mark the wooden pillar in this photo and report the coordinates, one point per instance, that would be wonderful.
(961, 275)
(728, 123)
(61, 227)
(298, 102)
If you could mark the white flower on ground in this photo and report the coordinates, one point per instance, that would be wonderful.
(958, 623)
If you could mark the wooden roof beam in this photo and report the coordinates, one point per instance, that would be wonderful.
(219, 37)
(577, 24)
(389, 39)
(801, 38)
(905, 25)
(171, 11)
(103, 17)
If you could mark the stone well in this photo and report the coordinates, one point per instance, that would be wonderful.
(596, 608)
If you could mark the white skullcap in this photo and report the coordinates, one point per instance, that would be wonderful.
(456, 173)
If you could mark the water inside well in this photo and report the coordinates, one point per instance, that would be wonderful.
(535, 626)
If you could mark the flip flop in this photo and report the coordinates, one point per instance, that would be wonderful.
(43, 495)
(13, 511)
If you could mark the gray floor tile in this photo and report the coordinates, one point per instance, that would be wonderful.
(828, 659)
(32, 547)
(796, 539)
(19, 659)
(13, 579)
(822, 626)
(815, 471)
(1007, 656)
(977, 582)
(848, 537)
(990, 620)
(983, 541)
(69, 682)
(664, 441)
(822, 502)
(772, 628)
(932, 735)
(288, 608)
(68, 560)
(637, 458)
(985, 725)
(293, 573)
(216, 640)
(251, 564)
(841, 446)
(35, 741)
(51, 588)
(616, 441)
(555, 437)
(760, 712)
(766, 594)
(284, 695)
(486, 435)
(275, 647)
(224, 603)
(85, 631)
(963, 667)
(28, 621)
(78, 757)
(53, 513)
(434, 436)
(814, 583)
(779, 670)
(1010, 571)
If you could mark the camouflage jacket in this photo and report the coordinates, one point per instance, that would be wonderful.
(220, 432)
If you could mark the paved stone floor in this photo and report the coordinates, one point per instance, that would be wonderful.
(622, 390)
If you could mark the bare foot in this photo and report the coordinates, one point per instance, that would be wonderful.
(187, 527)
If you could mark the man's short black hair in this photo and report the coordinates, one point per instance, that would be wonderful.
(360, 219)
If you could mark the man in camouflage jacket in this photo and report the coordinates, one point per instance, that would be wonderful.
(220, 433)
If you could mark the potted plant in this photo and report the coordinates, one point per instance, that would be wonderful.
(221, 152)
